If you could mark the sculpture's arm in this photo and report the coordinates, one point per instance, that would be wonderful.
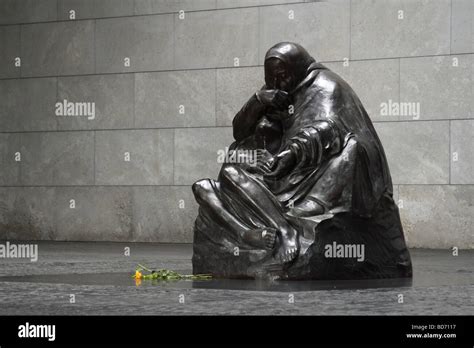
(309, 147)
(315, 143)
(247, 118)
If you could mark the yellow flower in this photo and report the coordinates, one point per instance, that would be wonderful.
(138, 275)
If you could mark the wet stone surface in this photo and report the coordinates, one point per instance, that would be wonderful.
(99, 275)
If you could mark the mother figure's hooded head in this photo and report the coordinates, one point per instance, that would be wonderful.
(286, 65)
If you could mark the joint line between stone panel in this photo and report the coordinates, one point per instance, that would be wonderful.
(21, 50)
(94, 156)
(451, 27)
(95, 46)
(223, 67)
(399, 83)
(259, 41)
(173, 154)
(450, 149)
(20, 176)
(134, 99)
(57, 100)
(215, 98)
(174, 42)
(350, 30)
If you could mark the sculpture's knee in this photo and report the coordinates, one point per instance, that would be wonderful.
(307, 208)
(202, 189)
(232, 174)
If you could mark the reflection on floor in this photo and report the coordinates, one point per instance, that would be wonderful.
(99, 276)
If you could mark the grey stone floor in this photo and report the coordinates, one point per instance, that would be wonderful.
(99, 275)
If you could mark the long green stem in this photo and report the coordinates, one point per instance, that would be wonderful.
(145, 268)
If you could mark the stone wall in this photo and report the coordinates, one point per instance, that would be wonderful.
(125, 174)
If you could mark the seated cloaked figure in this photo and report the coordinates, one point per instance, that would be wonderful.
(321, 179)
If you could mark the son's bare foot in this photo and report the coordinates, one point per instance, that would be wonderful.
(288, 250)
(262, 238)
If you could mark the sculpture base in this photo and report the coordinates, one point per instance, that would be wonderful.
(344, 247)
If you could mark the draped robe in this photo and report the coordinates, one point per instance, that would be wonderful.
(339, 191)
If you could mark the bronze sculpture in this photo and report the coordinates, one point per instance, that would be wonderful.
(318, 196)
